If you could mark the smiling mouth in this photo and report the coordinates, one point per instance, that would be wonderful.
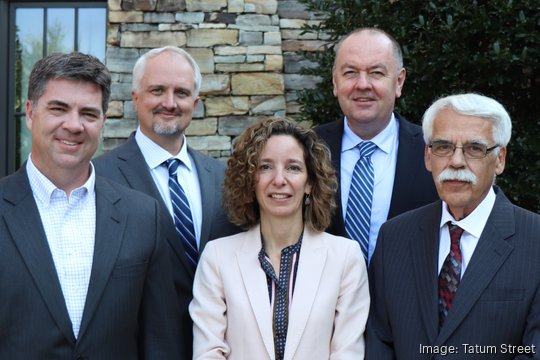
(279, 196)
(70, 143)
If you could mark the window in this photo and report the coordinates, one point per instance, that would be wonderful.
(36, 29)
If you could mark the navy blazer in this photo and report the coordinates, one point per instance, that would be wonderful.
(127, 166)
(497, 304)
(413, 184)
(129, 313)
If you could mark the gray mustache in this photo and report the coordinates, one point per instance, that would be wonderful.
(460, 175)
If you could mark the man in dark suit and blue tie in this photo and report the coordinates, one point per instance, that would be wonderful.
(459, 279)
(157, 160)
(378, 155)
(84, 270)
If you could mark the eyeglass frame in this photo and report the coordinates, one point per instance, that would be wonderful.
(467, 156)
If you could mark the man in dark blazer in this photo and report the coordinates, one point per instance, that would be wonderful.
(459, 279)
(368, 75)
(166, 84)
(84, 270)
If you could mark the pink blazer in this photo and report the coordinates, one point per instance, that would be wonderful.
(231, 308)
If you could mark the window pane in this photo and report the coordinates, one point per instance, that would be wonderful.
(60, 30)
(92, 29)
(29, 44)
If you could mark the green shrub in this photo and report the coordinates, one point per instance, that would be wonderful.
(451, 46)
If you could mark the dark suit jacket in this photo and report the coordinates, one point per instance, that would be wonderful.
(497, 301)
(413, 184)
(126, 165)
(129, 311)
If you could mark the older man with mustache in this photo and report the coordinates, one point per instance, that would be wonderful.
(458, 279)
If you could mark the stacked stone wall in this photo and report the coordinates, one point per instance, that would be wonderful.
(249, 52)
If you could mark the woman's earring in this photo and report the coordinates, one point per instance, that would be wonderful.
(307, 201)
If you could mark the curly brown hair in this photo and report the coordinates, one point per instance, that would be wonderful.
(239, 185)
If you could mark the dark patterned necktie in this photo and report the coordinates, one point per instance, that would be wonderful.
(182, 214)
(450, 273)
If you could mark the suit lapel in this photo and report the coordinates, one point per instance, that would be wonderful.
(424, 249)
(34, 248)
(255, 285)
(310, 268)
(110, 227)
(490, 254)
(208, 194)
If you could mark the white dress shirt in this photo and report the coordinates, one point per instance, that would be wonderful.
(70, 227)
(473, 225)
(384, 166)
(155, 156)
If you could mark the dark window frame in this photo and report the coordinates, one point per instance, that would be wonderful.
(8, 117)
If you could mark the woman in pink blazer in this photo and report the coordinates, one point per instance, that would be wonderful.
(284, 289)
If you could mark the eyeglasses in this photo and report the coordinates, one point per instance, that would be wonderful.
(470, 151)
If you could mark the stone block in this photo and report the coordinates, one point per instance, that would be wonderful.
(230, 50)
(263, 49)
(129, 111)
(199, 110)
(144, 5)
(121, 60)
(301, 82)
(212, 26)
(273, 63)
(230, 59)
(250, 37)
(234, 68)
(211, 37)
(206, 126)
(215, 84)
(262, 28)
(114, 5)
(303, 45)
(160, 18)
(204, 58)
(171, 5)
(293, 9)
(235, 6)
(234, 125)
(294, 63)
(298, 35)
(267, 106)
(205, 5)
(174, 27)
(261, 6)
(255, 58)
(115, 110)
(209, 143)
(257, 84)
(119, 128)
(152, 39)
(113, 35)
(190, 17)
(137, 27)
(125, 16)
(226, 105)
(272, 38)
(253, 20)
(222, 18)
(120, 91)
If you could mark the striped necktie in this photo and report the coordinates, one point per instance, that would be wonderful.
(358, 215)
(450, 274)
(182, 214)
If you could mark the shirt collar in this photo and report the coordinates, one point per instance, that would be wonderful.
(43, 188)
(475, 222)
(155, 155)
(384, 140)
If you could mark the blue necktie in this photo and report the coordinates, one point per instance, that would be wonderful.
(182, 214)
(358, 215)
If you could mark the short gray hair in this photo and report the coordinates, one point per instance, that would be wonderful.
(471, 104)
(138, 69)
